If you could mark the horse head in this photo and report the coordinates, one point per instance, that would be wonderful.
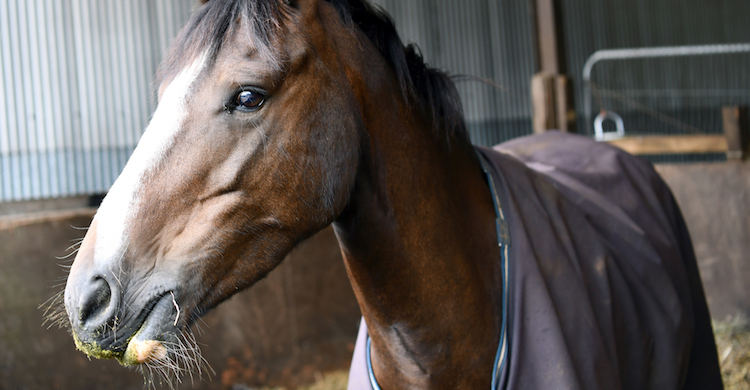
(253, 148)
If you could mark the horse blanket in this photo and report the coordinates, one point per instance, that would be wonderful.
(603, 290)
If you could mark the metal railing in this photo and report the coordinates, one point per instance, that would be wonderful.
(681, 96)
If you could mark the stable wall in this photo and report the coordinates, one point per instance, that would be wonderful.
(715, 201)
(300, 320)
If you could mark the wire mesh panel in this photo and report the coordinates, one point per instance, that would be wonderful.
(668, 90)
(75, 89)
(489, 39)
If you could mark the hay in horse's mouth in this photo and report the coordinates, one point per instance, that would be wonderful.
(147, 343)
(140, 352)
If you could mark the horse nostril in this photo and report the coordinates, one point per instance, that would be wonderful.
(96, 303)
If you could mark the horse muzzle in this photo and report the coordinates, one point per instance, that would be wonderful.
(92, 303)
(106, 326)
(142, 339)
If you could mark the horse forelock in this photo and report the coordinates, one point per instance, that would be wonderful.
(262, 21)
(259, 21)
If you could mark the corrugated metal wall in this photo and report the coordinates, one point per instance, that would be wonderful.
(75, 82)
(75, 76)
(492, 39)
(591, 25)
(75, 89)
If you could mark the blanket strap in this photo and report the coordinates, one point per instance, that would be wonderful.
(503, 243)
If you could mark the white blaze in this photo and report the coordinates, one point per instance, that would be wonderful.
(121, 203)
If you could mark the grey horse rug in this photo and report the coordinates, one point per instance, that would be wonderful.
(602, 287)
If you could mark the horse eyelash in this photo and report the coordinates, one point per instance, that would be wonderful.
(226, 105)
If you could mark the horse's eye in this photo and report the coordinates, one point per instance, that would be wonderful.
(249, 100)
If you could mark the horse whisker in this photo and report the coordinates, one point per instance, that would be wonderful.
(176, 307)
(68, 255)
(54, 311)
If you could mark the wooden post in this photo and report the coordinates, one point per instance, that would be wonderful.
(564, 103)
(736, 130)
(550, 90)
(547, 43)
(543, 102)
(550, 103)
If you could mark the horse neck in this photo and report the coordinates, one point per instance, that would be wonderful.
(419, 245)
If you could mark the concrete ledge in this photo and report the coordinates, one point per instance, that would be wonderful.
(8, 222)
(37, 206)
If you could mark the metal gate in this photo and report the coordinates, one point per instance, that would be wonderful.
(592, 25)
(668, 90)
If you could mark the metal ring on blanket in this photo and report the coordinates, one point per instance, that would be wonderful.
(503, 242)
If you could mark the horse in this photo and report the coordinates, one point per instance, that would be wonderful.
(548, 262)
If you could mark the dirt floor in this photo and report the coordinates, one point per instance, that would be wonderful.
(733, 344)
(329, 381)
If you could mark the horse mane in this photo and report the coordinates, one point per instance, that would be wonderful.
(433, 90)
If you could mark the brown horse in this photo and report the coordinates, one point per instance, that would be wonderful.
(277, 118)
